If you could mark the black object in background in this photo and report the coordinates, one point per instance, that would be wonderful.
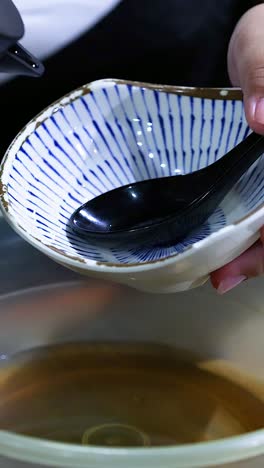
(15, 59)
(181, 42)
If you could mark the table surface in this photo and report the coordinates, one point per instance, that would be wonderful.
(23, 266)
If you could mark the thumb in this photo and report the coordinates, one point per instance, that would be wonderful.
(246, 64)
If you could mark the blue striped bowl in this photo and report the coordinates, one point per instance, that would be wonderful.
(110, 133)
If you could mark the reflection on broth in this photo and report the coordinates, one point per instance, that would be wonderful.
(125, 395)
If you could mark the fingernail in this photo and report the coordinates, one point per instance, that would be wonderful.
(230, 283)
(259, 111)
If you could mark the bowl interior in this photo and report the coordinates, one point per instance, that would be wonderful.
(111, 134)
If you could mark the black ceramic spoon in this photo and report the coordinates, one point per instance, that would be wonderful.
(165, 209)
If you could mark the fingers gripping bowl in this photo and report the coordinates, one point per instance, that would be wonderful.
(111, 133)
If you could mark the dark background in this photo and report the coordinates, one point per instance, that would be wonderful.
(180, 42)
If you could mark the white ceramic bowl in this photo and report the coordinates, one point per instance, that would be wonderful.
(109, 133)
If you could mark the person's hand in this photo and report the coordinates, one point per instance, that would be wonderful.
(246, 69)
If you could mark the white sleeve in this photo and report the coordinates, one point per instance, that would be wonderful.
(51, 24)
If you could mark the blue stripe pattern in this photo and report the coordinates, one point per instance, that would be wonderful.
(115, 135)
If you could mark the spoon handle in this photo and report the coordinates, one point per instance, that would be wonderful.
(241, 157)
(247, 151)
